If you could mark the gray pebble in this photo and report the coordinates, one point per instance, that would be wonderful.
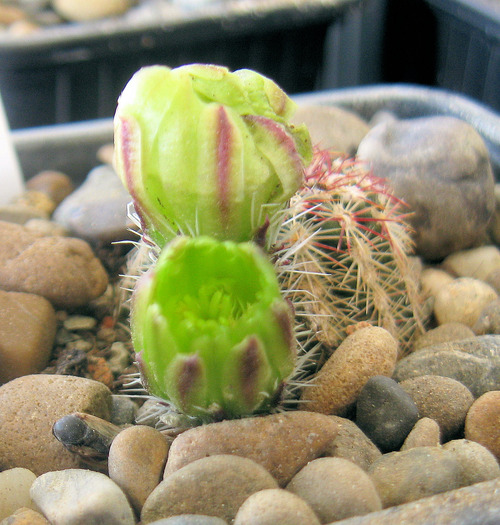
(97, 210)
(332, 127)
(443, 334)
(119, 357)
(472, 362)
(478, 504)
(442, 399)
(81, 497)
(440, 166)
(123, 410)
(478, 463)
(385, 412)
(400, 477)
(489, 319)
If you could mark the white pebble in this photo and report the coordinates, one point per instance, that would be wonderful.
(15, 486)
(462, 301)
(81, 497)
(79, 322)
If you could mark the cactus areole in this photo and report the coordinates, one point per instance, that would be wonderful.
(211, 331)
(204, 151)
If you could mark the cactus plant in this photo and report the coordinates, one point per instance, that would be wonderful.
(343, 259)
(204, 151)
(212, 333)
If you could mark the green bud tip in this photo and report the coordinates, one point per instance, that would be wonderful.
(204, 151)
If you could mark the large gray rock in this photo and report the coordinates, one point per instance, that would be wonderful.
(440, 166)
(97, 210)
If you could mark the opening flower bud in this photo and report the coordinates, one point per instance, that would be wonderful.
(212, 333)
(206, 151)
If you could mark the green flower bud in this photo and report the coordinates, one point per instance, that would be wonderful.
(204, 151)
(211, 331)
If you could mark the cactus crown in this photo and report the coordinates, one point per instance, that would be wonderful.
(343, 258)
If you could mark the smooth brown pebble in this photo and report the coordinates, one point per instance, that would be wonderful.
(425, 433)
(478, 463)
(482, 423)
(56, 185)
(214, 485)
(275, 507)
(353, 444)
(443, 334)
(368, 352)
(27, 332)
(30, 407)
(63, 270)
(136, 461)
(400, 477)
(335, 489)
(281, 443)
(462, 301)
(443, 399)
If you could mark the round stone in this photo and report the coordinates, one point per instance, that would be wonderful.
(462, 301)
(273, 507)
(400, 477)
(368, 352)
(442, 399)
(482, 423)
(335, 489)
(353, 444)
(440, 166)
(81, 497)
(443, 334)
(489, 319)
(385, 412)
(15, 487)
(478, 463)
(136, 461)
(425, 433)
(214, 485)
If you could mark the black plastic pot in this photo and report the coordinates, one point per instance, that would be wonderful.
(75, 72)
(468, 47)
